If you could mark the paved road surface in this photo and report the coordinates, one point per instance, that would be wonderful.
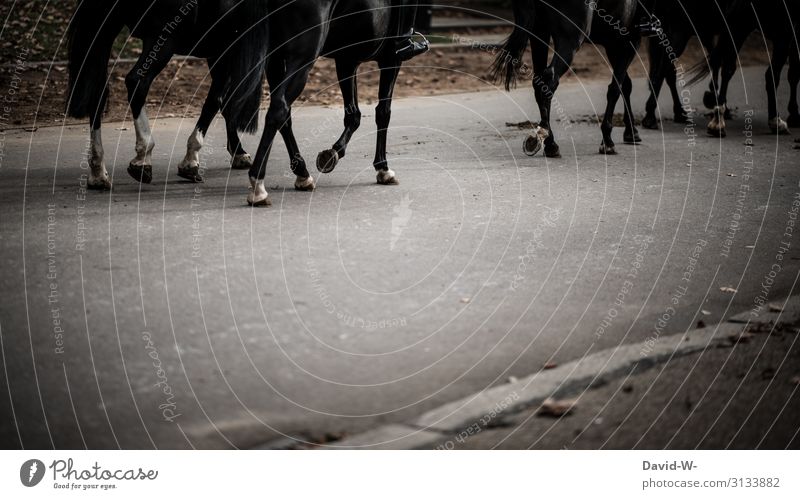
(171, 315)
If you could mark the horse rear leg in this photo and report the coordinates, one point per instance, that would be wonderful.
(620, 58)
(794, 78)
(346, 73)
(98, 175)
(383, 113)
(283, 94)
(631, 134)
(546, 83)
(772, 79)
(155, 56)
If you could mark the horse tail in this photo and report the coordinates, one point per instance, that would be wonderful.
(91, 33)
(246, 64)
(727, 47)
(507, 63)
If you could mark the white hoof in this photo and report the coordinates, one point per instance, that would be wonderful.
(99, 182)
(258, 194)
(305, 184)
(534, 142)
(777, 125)
(241, 162)
(387, 177)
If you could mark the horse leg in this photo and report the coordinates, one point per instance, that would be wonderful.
(658, 67)
(794, 78)
(279, 117)
(631, 134)
(276, 76)
(772, 78)
(346, 73)
(138, 82)
(546, 85)
(98, 175)
(716, 127)
(620, 60)
(383, 113)
(189, 167)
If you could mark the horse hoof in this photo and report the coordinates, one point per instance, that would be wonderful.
(258, 194)
(241, 162)
(793, 120)
(532, 145)
(190, 173)
(650, 122)
(326, 160)
(631, 138)
(716, 132)
(141, 173)
(386, 177)
(99, 183)
(552, 151)
(607, 149)
(709, 100)
(777, 125)
(305, 184)
(681, 118)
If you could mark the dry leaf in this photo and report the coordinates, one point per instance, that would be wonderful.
(727, 289)
(550, 365)
(556, 408)
(465, 299)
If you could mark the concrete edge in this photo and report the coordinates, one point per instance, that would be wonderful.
(481, 408)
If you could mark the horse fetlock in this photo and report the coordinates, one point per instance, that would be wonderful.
(258, 194)
(650, 122)
(98, 180)
(387, 177)
(631, 136)
(607, 148)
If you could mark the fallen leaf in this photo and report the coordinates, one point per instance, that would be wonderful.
(705, 312)
(732, 175)
(775, 308)
(465, 299)
(513, 379)
(556, 408)
(701, 324)
(727, 289)
(550, 365)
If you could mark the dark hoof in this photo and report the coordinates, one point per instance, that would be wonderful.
(261, 202)
(631, 138)
(681, 118)
(793, 121)
(716, 132)
(141, 173)
(607, 149)
(709, 100)
(191, 174)
(650, 122)
(326, 160)
(241, 162)
(532, 144)
(552, 151)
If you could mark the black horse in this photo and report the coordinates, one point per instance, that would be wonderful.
(613, 25)
(680, 20)
(211, 29)
(350, 32)
(779, 22)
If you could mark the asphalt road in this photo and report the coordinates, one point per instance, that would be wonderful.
(173, 316)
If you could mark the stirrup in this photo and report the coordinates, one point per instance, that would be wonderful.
(413, 48)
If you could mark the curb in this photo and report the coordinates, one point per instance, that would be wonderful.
(470, 414)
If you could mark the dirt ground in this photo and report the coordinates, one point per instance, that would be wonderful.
(37, 91)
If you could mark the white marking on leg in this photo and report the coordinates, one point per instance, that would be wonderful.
(386, 177)
(193, 146)
(98, 176)
(777, 125)
(258, 194)
(144, 140)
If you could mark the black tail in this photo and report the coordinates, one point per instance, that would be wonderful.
(507, 63)
(246, 63)
(91, 34)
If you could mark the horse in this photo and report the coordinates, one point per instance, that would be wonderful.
(680, 21)
(778, 21)
(350, 32)
(209, 29)
(613, 25)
